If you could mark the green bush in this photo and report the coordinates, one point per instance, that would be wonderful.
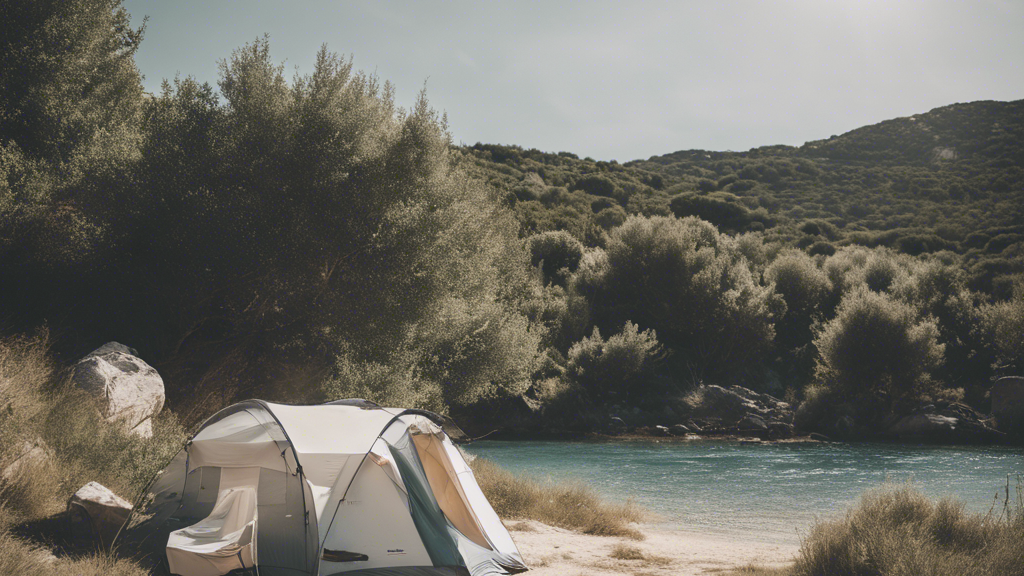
(617, 368)
(558, 254)
(802, 284)
(724, 214)
(877, 344)
(1003, 323)
(691, 284)
(598, 185)
(610, 217)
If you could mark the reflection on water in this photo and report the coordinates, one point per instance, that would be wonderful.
(771, 492)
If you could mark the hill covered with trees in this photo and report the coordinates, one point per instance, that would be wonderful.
(890, 256)
(947, 180)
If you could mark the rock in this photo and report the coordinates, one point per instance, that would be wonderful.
(924, 426)
(732, 404)
(942, 422)
(679, 430)
(1008, 403)
(30, 454)
(96, 513)
(778, 430)
(129, 390)
(752, 422)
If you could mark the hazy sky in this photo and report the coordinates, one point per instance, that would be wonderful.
(626, 80)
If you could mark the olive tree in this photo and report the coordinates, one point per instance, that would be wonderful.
(617, 368)
(877, 344)
(685, 280)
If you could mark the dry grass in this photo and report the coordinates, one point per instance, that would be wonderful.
(20, 557)
(38, 407)
(634, 553)
(573, 506)
(627, 552)
(896, 530)
(75, 446)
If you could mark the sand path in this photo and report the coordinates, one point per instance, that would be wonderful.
(551, 551)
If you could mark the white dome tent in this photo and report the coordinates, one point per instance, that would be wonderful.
(347, 487)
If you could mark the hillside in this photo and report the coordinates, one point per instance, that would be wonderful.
(951, 179)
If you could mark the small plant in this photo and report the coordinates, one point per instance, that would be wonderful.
(627, 552)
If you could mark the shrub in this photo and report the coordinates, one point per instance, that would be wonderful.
(598, 185)
(611, 217)
(878, 344)
(691, 284)
(821, 248)
(721, 213)
(558, 254)
(705, 185)
(896, 530)
(1003, 323)
(618, 366)
(802, 284)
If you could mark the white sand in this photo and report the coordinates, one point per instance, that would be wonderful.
(551, 551)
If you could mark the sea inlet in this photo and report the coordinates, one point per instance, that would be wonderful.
(772, 493)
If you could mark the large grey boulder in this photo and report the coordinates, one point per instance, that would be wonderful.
(1008, 403)
(129, 390)
(95, 513)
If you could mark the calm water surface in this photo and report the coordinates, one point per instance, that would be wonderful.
(772, 493)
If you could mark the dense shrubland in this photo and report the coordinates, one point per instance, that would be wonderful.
(271, 238)
(304, 239)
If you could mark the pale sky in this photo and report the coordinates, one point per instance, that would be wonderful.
(625, 80)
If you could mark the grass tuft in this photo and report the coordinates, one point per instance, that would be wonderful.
(626, 552)
(572, 505)
(897, 530)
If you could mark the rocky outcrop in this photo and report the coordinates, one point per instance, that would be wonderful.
(736, 408)
(129, 390)
(941, 423)
(1008, 404)
(95, 514)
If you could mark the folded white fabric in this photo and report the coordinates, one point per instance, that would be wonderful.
(222, 541)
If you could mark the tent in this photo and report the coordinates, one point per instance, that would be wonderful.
(347, 487)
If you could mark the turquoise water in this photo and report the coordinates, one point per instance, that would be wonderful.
(772, 493)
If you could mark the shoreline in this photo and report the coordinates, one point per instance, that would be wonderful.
(551, 551)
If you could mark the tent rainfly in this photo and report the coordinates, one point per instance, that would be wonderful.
(347, 487)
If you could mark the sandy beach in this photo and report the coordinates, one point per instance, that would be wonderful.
(551, 551)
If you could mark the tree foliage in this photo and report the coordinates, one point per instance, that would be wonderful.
(877, 344)
(687, 281)
(618, 369)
